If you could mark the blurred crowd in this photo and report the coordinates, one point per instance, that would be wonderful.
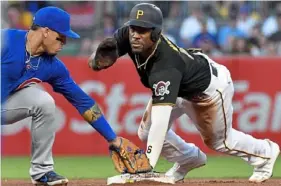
(218, 27)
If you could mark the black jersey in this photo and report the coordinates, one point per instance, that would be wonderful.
(170, 72)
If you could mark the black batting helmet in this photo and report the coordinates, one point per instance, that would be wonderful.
(148, 16)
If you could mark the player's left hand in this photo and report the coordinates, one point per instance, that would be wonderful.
(105, 56)
(128, 158)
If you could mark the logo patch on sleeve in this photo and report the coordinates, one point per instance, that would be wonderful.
(161, 88)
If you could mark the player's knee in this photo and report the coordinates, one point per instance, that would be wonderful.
(211, 143)
(142, 133)
(217, 145)
(45, 103)
(208, 142)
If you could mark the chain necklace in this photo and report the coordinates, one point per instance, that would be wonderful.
(137, 57)
(29, 56)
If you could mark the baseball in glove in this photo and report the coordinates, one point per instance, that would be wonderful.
(105, 56)
(129, 158)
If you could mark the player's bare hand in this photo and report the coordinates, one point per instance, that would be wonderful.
(105, 56)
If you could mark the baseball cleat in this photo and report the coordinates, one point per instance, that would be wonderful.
(50, 178)
(264, 172)
(179, 171)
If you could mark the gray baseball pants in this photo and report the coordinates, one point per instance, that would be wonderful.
(38, 104)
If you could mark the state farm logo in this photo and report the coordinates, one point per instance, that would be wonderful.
(256, 111)
(253, 111)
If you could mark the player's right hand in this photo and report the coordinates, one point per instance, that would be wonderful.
(105, 56)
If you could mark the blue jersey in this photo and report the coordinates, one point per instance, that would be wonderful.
(17, 71)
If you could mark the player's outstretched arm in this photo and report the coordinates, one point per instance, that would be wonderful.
(160, 116)
(105, 56)
(126, 156)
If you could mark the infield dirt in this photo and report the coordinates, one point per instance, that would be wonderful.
(187, 182)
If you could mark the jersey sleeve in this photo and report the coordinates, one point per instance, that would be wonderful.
(5, 53)
(62, 83)
(165, 86)
(122, 38)
(4, 44)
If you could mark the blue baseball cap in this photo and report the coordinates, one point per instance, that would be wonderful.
(56, 19)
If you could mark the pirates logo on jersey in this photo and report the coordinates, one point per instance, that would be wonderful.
(161, 88)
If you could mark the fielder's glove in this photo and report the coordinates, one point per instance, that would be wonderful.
(128, 158)
(105, 56)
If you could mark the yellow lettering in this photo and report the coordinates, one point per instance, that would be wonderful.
(139, 13)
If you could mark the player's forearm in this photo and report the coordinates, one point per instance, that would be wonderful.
(85, 105)
(160, 116)
(97, 120)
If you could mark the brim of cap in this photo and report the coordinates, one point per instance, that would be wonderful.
(70, 34)
(140, 23)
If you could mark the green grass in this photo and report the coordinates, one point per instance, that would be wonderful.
(102, 167)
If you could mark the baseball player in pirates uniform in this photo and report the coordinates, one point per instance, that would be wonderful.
(182, 82)
(28, 57)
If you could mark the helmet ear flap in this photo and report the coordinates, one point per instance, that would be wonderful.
(155, 34)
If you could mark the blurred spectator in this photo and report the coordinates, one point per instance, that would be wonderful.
(222, 8)
(173, 22)
(245, 20)
(237, 27)
(33, 6)
(256, 41)
(169, 36)
(239, 46)
(206, 41)
(123, 9)
(14, 14)
(270, 49)
(86, 47)
(30, 7)
(275, 38)
(191, 26)
(278, 48)
(207, 9)
(229, 31)
(203, 36)
(82, 14)
(108, 25)
(165, 7)
(270, 25)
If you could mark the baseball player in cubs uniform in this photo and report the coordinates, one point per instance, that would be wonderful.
(27, 58)
(183, 82)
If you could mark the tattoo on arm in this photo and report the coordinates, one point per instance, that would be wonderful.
(93, 114)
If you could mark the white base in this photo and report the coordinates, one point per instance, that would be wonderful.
(132, 178)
